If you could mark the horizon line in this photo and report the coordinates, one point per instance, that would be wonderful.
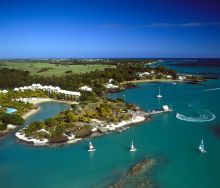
(44, 58)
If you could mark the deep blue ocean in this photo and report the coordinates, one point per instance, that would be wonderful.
(172, 142)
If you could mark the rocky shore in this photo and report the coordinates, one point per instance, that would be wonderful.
(73, 139)
(3, 133)
(137, 176)
(9, 129)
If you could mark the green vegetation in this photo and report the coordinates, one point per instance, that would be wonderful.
(6, 119)
(3, 126)
(12, 119)
(79, 120)
(49, 69)
(69, 74)
(7, 100)
(82, 61)
(10, 78)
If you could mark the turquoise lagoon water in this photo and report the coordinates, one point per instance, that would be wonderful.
(10, 110)
(171, 141)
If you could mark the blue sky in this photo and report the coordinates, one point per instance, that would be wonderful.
(109, 28)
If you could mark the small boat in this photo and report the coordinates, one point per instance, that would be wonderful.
(159, 96)
(178, 115)
(132, 147)
(91, 148)
(201, 147)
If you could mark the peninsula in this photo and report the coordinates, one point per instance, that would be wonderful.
(91, 113)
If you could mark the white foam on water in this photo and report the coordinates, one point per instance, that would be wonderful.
(214, 89)
(203, 117)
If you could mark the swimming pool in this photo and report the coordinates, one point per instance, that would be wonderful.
(10, 110)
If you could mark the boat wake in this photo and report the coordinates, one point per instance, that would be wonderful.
(214, 89)
(204, 117)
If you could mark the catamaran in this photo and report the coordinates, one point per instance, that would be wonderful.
(91, 147)
(159, 96)
(201, 147)
(132, 147)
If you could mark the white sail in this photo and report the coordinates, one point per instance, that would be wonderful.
(159, 95)
(201, 147)
(202, 144)
(91, 147)
(132, 147)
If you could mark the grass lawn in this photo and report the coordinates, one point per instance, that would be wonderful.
(46, 69)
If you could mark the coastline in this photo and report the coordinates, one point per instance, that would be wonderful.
(154, 80)
(31, 112)
(97, 131)
(37, 108)
(10, 128)
(110, 128)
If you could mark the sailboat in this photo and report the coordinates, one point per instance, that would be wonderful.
(201, 147)
(159, 96)
(91, 147)
(132, 147)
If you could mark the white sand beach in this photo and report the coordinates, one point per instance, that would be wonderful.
(72, 139)
(36, 101)
(133, 120)
(36, 142)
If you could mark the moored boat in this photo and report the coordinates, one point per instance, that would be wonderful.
(132, 147)
(159, 96)
(201, 147)
(91, 147)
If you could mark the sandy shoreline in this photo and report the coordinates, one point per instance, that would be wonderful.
(72, 139)
(30, 113)
(38, 101)
(154, 80)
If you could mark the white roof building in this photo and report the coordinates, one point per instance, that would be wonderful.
(85, 88)
(144, 74)
(166, 108)
(49, 88)
(182, 77)
(110, 80)
(111, 86)
(4, 91)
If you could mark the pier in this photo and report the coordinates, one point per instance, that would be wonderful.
(165, 109)
(158, 112)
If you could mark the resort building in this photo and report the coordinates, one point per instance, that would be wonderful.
(4, 91)
(50, 89)
(111, 86)
(143, 74)
(181, 77)
(85, 88)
